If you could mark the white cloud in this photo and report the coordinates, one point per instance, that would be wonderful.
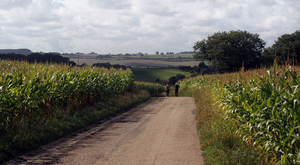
(264, 2)
(10, 4)
(111, 4)
(137, 26)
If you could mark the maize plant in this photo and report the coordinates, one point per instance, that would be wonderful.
(152, 88)
(30, 90)
(267, 108)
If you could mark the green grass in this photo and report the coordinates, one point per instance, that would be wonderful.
(140, 61)
(150, 75)
(136, 62)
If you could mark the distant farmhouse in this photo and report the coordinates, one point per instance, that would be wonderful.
(16, 51)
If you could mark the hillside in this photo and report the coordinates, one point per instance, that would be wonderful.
(154, 74)
(136, 60)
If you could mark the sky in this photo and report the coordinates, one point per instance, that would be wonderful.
(132, 26)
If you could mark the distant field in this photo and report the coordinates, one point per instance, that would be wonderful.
(150, 75)
(140, 63)
(169, 56)
(137, 60)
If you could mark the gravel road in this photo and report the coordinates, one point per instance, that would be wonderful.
(160, 133)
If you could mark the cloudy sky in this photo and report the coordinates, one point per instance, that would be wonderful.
(132, 26)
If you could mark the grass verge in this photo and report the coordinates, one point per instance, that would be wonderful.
(33, 134)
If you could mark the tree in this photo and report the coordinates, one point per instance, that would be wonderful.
(157, 53)
(230, 51)
(286, 46)
(172, 80)
(180, 77)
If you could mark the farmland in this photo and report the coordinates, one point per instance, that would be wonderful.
(151, 75)
(42, 102)
(146, 68)
(248, 115)
(136, 61)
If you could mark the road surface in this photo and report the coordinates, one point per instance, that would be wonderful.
(160, 133)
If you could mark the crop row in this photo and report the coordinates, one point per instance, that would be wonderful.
(30, 90)
(266, 107)
(152, 88)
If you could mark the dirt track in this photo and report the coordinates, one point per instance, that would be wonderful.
(162, 132)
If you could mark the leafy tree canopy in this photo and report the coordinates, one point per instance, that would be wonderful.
(172, 80)
(230, 51)
(39, 58)
(286, 46)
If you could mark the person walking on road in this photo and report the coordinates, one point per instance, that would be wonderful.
(176, 89)
(167, 90)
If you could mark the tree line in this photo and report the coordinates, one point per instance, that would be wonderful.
(201, 68)
(108, 65)
(52, 58)
(38, 58)
(231, 51)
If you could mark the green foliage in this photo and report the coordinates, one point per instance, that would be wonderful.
(151, 75)
(42, 102)
(230, 51)
(286, 46)
(37, 57)
(264, 109)
(219, 142)
(108, 66)
(268, 110)
(153, 88)
(63, 122)
(28, 91)
(174, 79)
(180, 77)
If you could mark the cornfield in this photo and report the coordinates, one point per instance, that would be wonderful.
(152, 88)
(266, 106)
(30, 90)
